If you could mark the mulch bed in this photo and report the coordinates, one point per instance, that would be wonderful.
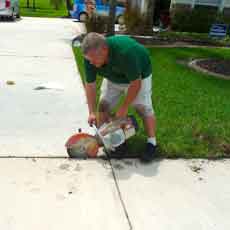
(161, 41)
(219, 66)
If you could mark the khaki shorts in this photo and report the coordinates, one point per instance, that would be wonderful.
(111, 93)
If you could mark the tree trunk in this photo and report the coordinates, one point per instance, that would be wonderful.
(28, 3)
(144, 10)
(134, 4)
(34, 6)
(112, 12)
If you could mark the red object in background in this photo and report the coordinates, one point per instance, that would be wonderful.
(7, 3)
(165, 18)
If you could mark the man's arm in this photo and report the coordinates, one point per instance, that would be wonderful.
(133, 90)
(90, 89)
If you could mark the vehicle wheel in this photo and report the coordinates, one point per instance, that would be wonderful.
(120, 20)
(12, 17)
(83, 17)
(18, 15)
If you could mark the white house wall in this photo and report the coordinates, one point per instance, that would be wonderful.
(227, 3)
(205, 2)
(221, 4)
(189, 2)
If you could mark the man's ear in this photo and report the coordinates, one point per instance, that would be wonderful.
(105, 49)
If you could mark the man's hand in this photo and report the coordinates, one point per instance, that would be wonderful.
(122, 112)
(133, 90)
(92, 119)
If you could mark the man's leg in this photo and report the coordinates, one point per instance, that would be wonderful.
(104, 112)
(143, 105)
(150, 125)
(110, 94)
(149, 120)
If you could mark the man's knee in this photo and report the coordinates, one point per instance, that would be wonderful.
(144, 110)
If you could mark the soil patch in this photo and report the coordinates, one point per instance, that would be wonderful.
(216, 65)
(219, 68)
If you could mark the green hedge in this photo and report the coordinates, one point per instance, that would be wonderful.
(197, 20)
(97, 23)
(135, 22)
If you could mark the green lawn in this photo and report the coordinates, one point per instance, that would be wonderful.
(43, 9)
(192, 109)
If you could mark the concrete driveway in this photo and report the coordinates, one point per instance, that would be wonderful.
(33, 53)
(39, 189)
(42, 189)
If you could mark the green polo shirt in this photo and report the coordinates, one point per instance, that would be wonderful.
(128, 61)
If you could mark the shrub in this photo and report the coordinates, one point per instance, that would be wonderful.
(135, 22)
(180, 19)
(96, 23)
(223, 19)
(202, 18)
(197, 20)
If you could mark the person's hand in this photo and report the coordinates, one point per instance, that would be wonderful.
(122, 112)
(92, 119)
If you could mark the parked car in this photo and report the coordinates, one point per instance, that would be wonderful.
(9, 9)
(100, 7)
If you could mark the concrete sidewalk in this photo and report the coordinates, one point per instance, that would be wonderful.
(176, 194)
(55, 194)
(42, 189)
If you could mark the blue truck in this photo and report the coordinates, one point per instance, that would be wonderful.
(101, 8)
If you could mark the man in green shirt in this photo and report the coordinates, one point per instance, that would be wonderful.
(126, 68)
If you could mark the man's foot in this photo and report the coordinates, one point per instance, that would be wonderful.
(149, 154)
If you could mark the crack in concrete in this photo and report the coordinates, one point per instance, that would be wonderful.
(63, 157)
(120, 196)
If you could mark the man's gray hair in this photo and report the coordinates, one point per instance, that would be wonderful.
(92, 41)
